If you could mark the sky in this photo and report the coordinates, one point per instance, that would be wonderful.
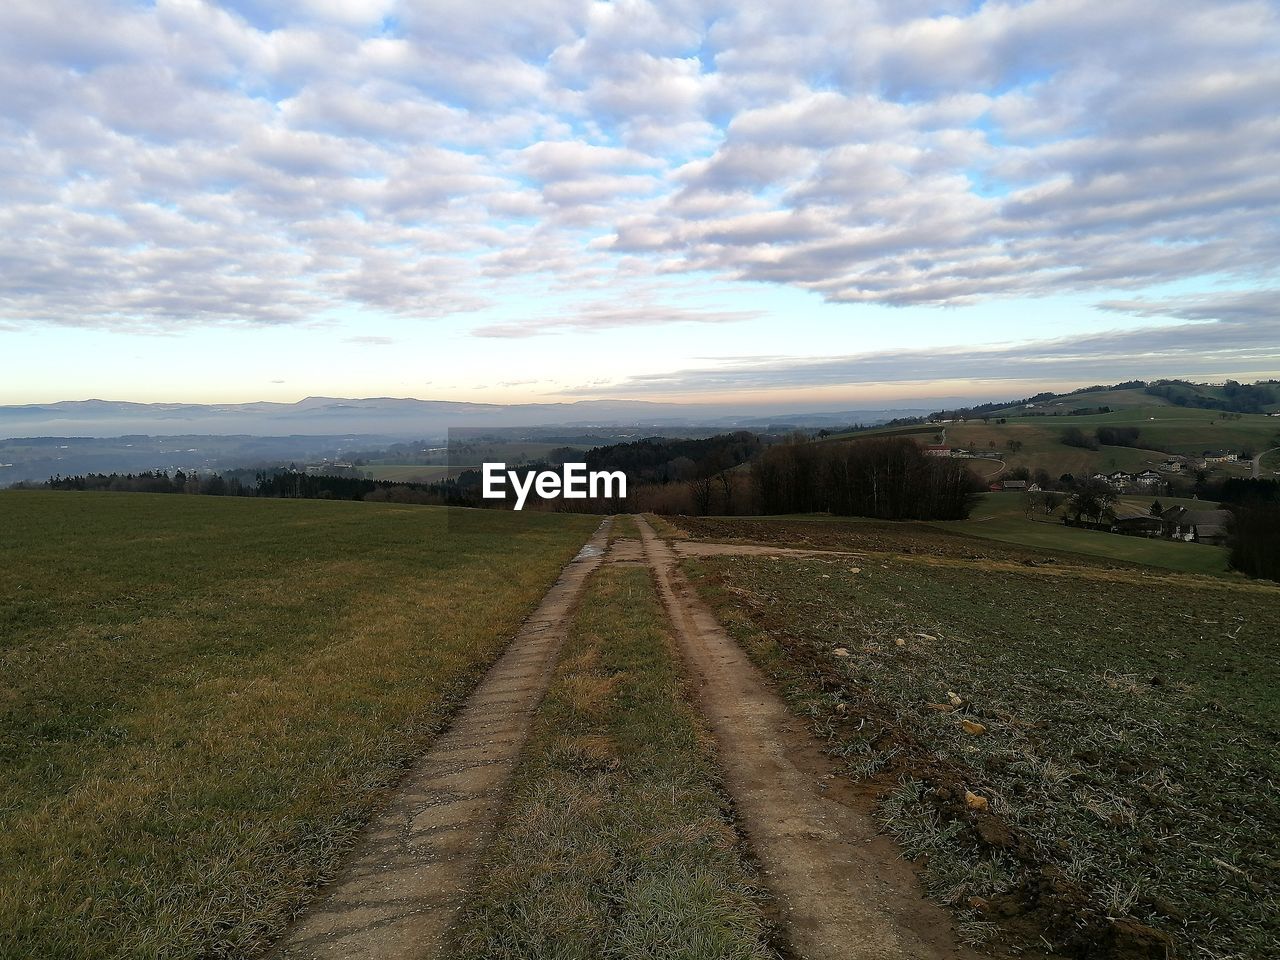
(808, 204)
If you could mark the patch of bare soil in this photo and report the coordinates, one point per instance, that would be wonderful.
(408, 876)
(698, 548)
(897, 538)
(844, 889)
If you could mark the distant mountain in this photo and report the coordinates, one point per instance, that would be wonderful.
(387, 417)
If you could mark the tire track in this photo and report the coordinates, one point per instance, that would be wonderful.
(844, 891)
(408, 876)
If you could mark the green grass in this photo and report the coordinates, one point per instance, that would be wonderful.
(617, 841)
(1106, 398)
(1181, 430)
(203, 698)
(1130, 750)
(1002, 516)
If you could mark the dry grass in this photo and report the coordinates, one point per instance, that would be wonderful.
(204, 698)
(664, 527)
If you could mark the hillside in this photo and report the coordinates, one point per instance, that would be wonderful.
(1262, 397)
(1164, 429)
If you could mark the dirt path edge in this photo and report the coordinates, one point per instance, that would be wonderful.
(844, 891)
(411, 870)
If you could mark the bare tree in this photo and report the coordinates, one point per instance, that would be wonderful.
(700, 489)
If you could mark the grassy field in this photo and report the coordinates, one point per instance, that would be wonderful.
(204, 697)
(1085, 752)
(411, 472)
(1002, 516)
(618, 841)
(1181, 430)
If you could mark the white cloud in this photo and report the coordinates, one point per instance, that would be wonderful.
(256, 162)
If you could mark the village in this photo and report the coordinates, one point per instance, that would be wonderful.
(1107, 501)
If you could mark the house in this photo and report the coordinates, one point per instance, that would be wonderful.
(1136, 522)
(1195, 526)
(1173, 465)
(1221, 456)
(937, 450)
(1148, 478)
(1019, 485)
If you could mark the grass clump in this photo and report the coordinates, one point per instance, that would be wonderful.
(624, 528)
(618, 840)
(203, 698)
(1084, 754)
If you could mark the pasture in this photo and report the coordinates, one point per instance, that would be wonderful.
(1163, 430)
(205, 697)
(1003, 516)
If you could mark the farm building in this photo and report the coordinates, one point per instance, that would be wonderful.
(1136, 522)
(1195, 526)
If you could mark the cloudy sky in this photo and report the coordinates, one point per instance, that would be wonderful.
(786, 203)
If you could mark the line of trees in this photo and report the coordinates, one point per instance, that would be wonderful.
(889, 478)
(1236, 397)
(281, 483)
(1102, 436)
(1255, 539)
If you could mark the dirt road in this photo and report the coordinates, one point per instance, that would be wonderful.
(407, 878)
(1257, 462)
(843, 888)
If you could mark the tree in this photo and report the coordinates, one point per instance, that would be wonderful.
(1090, 501)
(1075, 437)
(1157, 509)
(889, 478)
(1254, 533)
(1117, 436)
(700, 490)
